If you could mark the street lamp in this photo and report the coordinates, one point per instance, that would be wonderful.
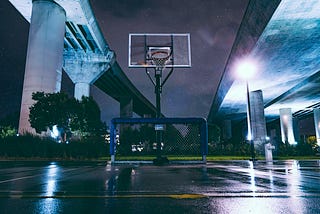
(246, 70)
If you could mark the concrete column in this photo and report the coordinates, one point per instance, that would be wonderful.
(296, 128)
(258, 122)
(316, 116)
(126, 107)
(273, 134)
(227, 129)
(286, 125)
(85, 68)
(81, 89)
(44, 55)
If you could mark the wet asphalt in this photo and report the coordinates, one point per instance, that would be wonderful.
(217, 187)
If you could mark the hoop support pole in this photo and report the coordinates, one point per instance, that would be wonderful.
(150, 78)
(158, 90)
(167, 77)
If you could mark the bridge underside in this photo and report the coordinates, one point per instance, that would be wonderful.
(282, 37)
(87, 58)
(115, 83)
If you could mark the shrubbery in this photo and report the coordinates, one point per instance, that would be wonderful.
(300, 149)
(29, 146)
(234, 147)
(230, 147)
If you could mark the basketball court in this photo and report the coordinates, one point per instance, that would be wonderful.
(217, 187)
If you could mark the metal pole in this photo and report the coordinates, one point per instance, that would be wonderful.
(249, 123)
(112, 142)
(158, 90)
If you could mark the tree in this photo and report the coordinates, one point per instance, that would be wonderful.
(87, 121)
(51, 109)
(68, 114)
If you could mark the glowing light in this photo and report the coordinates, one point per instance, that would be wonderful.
(246, 69)
(55, 132)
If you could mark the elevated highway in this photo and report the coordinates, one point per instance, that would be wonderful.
(65, 35)
(116, 84)
(281, 38)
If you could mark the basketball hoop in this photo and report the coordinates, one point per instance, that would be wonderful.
(160, 58)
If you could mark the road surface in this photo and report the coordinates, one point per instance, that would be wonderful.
(218, 187)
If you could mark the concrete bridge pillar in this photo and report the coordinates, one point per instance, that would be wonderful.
(85, 68)
(286, 124)
(126, 107)
(44, 55)
(258, 122)
(316, 116)
(227, 129)
(81, 89)
(296, 128)
(126, 111)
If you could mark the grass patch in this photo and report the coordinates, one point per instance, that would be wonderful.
(297, 157)
(135, 158)
(209, 158)
(224, 158)
(178, 158)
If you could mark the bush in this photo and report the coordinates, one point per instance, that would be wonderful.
(242, 148)
(230, 147)
(29, 146)
(7, 131)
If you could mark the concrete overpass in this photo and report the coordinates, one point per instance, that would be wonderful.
(282, 38)
(65, 35)
(115, 83)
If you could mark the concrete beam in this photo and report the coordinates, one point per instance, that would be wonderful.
(79, 12)
(85, 68)
(44, 55)
(126, 107)
(316, 116)
(258, 122)
(286, 124)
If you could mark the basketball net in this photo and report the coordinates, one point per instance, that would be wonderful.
(160, 58)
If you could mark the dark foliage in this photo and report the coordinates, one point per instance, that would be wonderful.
(69, 114)
(229, 147)
(29, 146)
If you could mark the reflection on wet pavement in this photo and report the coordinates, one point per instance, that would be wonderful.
(221, 187)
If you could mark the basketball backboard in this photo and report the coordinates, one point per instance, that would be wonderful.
(143, 46)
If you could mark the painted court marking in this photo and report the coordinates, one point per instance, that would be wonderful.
(21, 195)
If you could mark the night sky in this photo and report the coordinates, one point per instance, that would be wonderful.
(189, 92)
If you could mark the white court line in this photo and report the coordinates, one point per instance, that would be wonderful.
(31, 176)
(19, 195)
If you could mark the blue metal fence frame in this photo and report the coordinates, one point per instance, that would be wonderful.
(201, 121)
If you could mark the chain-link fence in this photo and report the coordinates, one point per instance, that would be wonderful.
(136, 137)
